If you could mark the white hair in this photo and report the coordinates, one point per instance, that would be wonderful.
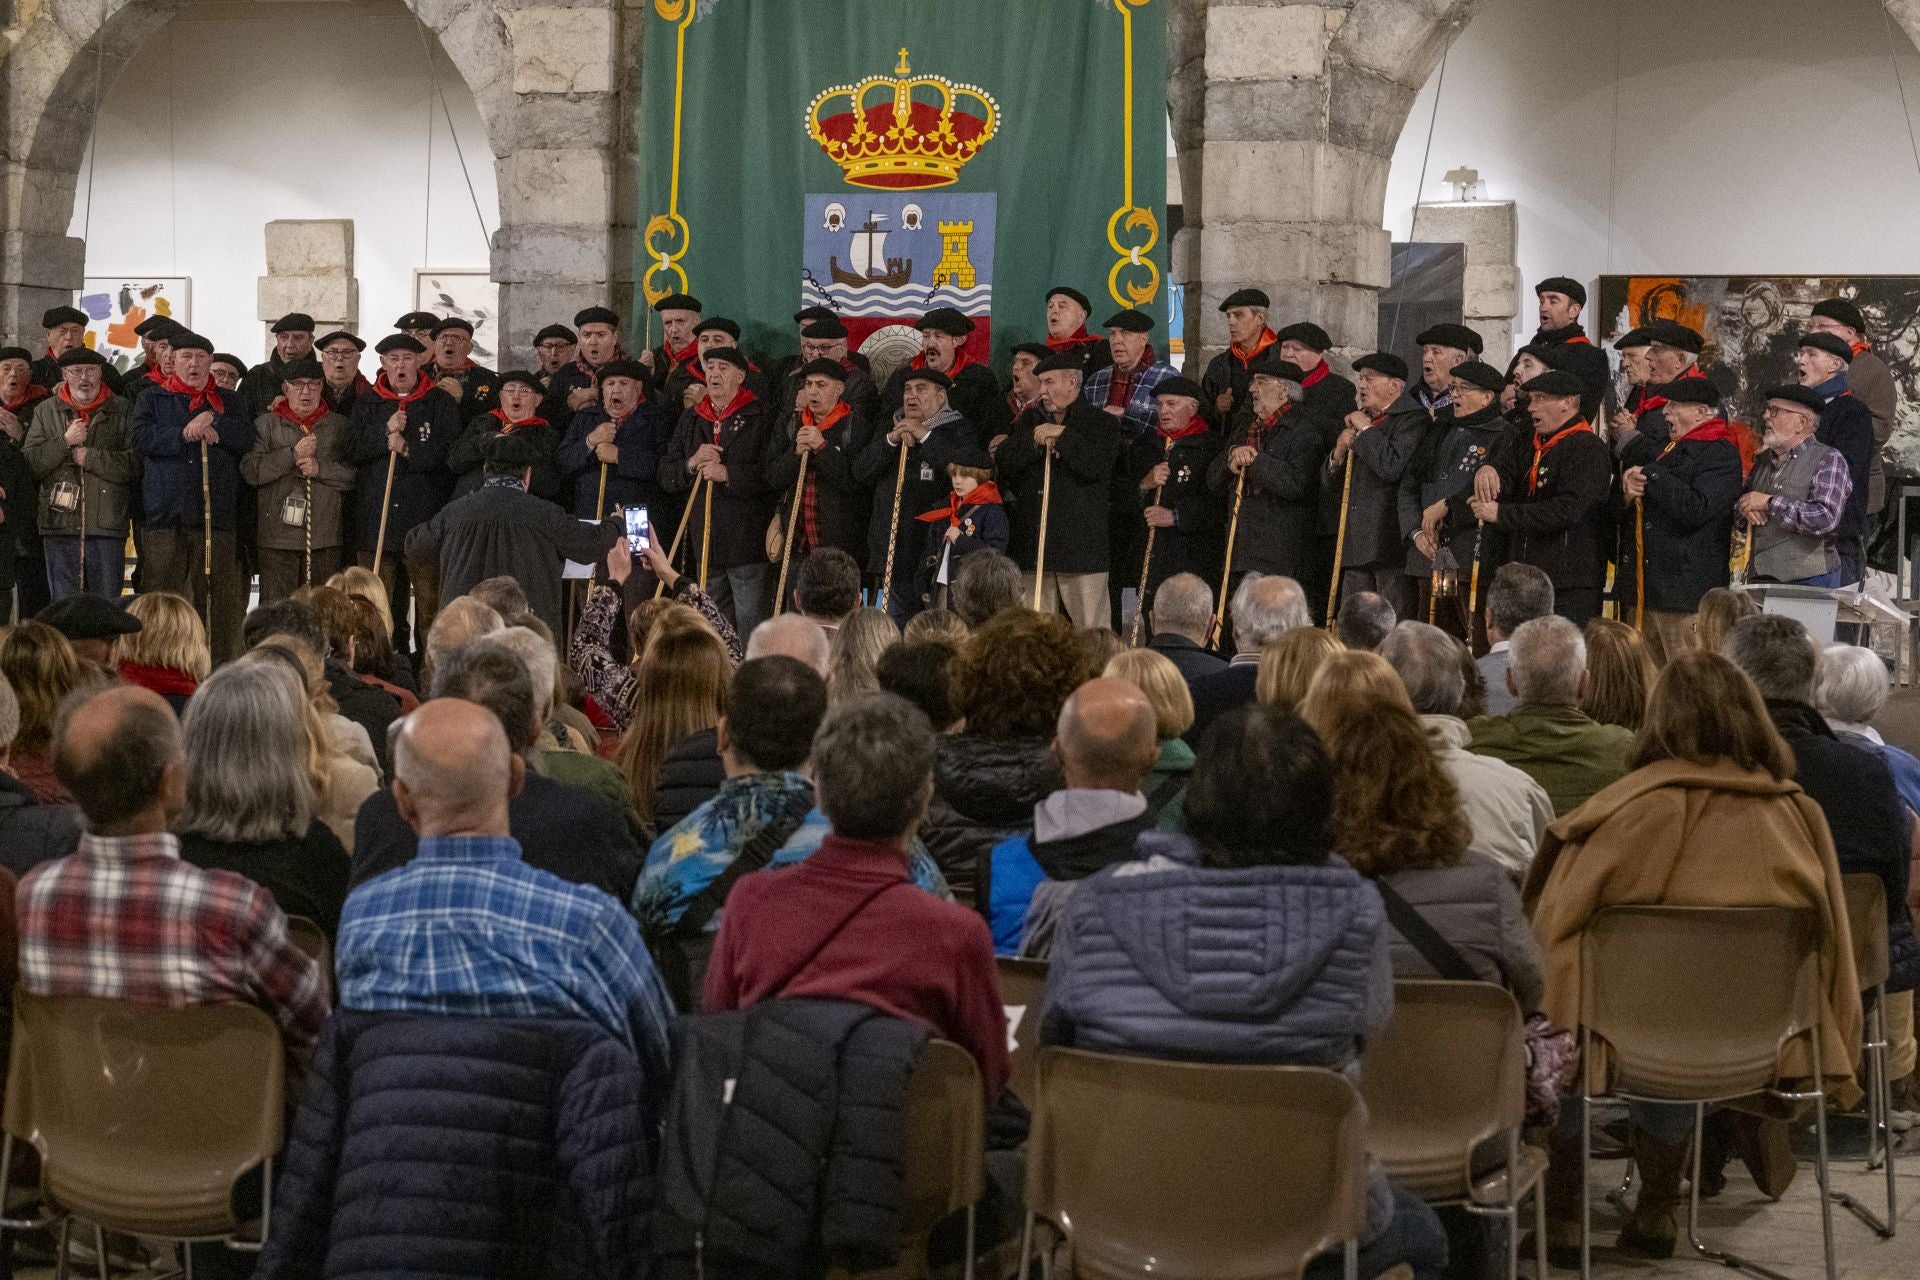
(1852, 685)
(791, 635)
(537, 653)
(1547, 657)
(1266, 607)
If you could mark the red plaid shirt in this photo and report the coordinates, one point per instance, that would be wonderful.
(125, 919)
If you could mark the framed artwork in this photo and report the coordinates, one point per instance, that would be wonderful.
(117, 305)
(466, 292)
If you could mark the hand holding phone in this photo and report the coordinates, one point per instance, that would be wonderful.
(639, 530)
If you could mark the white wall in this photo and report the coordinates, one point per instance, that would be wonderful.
(1753, 136)
(239, 113)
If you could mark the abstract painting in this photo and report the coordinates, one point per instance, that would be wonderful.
(469, 294)
(117, 305)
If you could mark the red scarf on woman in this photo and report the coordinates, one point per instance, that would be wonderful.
(161, 680)
(207, 396)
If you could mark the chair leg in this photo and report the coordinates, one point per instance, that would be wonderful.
(1586, 1187)
(1820, 1160)
(60, 1250)
(1026, 1245)
(967, 1269)
(1540, 1230)
(1879, 1124)
(1350, 1260)
(100, 1251)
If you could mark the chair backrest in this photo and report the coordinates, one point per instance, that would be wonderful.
(145, 1116)
(1449, 1072)
(1867, 918)
(1023, 987)
(1182, 1169)
(312, 939)
(945, 1143)
(1695, 1003)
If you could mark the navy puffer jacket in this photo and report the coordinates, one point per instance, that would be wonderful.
(430, 1146)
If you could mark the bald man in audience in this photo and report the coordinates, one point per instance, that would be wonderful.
(468, 928)
(1104, 743)
(791, 635)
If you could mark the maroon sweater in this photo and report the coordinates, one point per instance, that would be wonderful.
(908, 953)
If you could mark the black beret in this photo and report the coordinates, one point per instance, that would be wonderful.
(623, 369)
(1551, 354)
(1129, 321)
(1554, 382)
(1245, 298)
(1478, 373)
(231, 361)
(1831, 343)
(417, 320)
(1842, 311)
(453, 322)
(553, 331)
(86, 616)
(970, 456)
(1058, 361)
(597, 315)
(807, 315)
(719, 324)
(1563, 284)
(825, 330)
(726, 355)
(301, 369)
(80, 355)
(1038, 350)
(1382, 362)
(1072, 295)
(522, 378)
(1806, 397)
(359, 343)
(146, 328)
(1269, 365)
(15, 353)
(58, 316)
(1307, 334)
(1691, 391)
(510, 451)
(164, 329)
(399, 342)
(1670, 333)
(823, 368)
(672, 302)
(189, 341)
(294, 322)
(946, 320)
(1180, 386)
(1635, 337)
(934, 376)
(1457, 336)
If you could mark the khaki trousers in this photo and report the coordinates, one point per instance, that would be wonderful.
(1081, 596)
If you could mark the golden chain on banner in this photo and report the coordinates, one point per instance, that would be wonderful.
(664, 259)
(1143, 282)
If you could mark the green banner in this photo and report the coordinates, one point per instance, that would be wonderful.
(885, 157)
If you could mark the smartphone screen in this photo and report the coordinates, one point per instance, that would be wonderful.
(639, 531)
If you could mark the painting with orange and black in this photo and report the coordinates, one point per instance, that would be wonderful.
(117, 305)
(1753, 324)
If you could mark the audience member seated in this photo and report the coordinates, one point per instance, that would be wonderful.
(469, 926)
(251, 795)
(371, 708)
(1519, 593)
(1709, 817)
(988, 584)
(358, 583)
(31, 831)
(1402, 821)
(340, 759)
(460, 622)
(669, 754)
(1182, 615)
(43, 669)
(357, 637)
(935, 624)
(1620, 672)
(1155, 675)
(827, 588)
(1546, 735)
(575, 768)
(1289, 664)
(1264, 608)
(1243, 940)
(838, 925)
(1009, 682)
(92, 624)
(1105, 747)
(862, 637)
(1103, 645)
(1507, 812)
(564, 727)
(1719, 609)
(169, 653)
(792, 635)
(561, 830)
(504, 595)
(1366, 618)
(921, 671)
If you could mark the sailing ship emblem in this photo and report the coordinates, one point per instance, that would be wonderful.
(868, 257)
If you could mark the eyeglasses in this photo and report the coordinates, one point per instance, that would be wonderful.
(553, 347)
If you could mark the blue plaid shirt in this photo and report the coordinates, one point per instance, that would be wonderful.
(1140, 407)
(468, 928)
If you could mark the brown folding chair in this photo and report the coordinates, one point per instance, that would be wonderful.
(116, 1098)
(1023, 986)
(1694, 1005)
(944, 1150)
(312, 939)
(1195, 1171)
(1448, 1076)
(1867, 918)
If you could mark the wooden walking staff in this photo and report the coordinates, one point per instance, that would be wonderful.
(83, 529)
(1146, 559)
(386, 504)
(1473, 582)
(1639, 565)
(793, 527)
(307, 528)
(673, 550)
(1040, 556)
(893, 530)
(1226, 571)
(1339, 542)
(706, 535)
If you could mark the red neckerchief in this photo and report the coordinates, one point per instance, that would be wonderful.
(1266, 339)
(684, 354)
(1861, 348)
(207, 395)
(1577, 340)
(384, 389)
(741, 399)
(1078, 338)
(984, 494)
(161, 680)
(81, 412)
(1540, 451)
(508, 426)
(840, 410)
(28, 394)
(580, 362)
(1196, 426)
(1016, 406)
(1714, 428)
(1258, 428)
(285, 413)
(1319, 374)
(960, 362)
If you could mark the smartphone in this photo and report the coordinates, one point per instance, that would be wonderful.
(639, 530)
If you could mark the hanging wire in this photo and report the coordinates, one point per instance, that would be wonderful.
(1893, 57)
(433, 76)
(1419, 192)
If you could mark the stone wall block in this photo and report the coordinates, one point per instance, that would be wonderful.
(310, 247)
(1265, 42)
(558, 50)
(330, 299)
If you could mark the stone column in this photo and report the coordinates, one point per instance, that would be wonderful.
(1488, 230)
(310, 269)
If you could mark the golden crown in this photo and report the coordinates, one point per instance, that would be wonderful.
(914, 138)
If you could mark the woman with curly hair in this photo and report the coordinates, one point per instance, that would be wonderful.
(1010, 680)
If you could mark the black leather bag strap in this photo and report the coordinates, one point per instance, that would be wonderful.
(753, 855)
(781, 986)
(1424, 938)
